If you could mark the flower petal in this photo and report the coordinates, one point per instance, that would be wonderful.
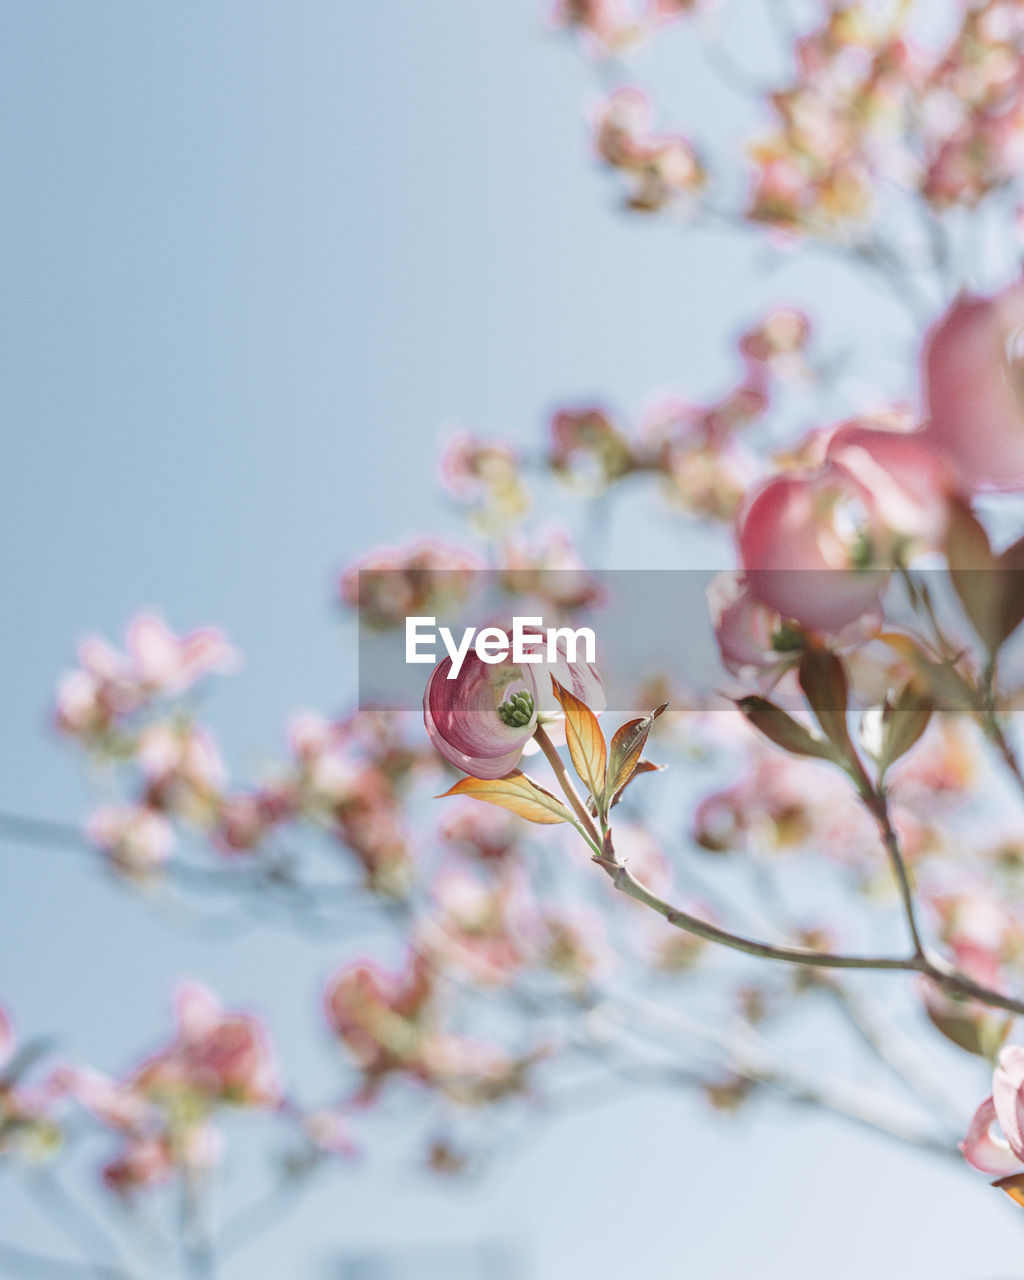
(1007, 1084)
(982, 1149)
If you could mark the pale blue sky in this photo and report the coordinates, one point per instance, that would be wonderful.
(256, 255)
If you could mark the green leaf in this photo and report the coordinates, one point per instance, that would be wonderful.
(823, 679)
(780, 727)
(904, 720)
(974, 572)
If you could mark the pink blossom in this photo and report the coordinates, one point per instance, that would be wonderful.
(587, 443)
(752, 638)
(182, 767)
(780, 338)
(550, 570)
(115, 1104)
(483, 831)
(974, 388)
(426, 578)
(82, 709)
(246, 818)
(225, 1056)
(756, 642)
(110, 685)
(659, 168)
(144, 1162)
(158, 661)
(982, 1148)
(805, 542)
(908, 480)
(606, 22)
(136, 839)
(166, 663)
(378, 1015)
(481, 721)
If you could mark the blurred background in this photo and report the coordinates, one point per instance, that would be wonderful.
(256, 257)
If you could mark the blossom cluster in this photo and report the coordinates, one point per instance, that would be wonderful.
(342, 778)
(874, 98)
(166, 1114)
(818, 542)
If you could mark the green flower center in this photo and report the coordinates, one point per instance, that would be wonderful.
(518, 710)
(788, 638)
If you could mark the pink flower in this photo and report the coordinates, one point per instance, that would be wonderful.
(394, 583)
(144, 1162)
(223, 1055)
(806, 545)
(752, 639)
(982, 1148)
(115, 1104)
(817, 546)
(484, 719)
(974, 388)
(137, 840)
(110, 685)
(481, 721)
(909, 481)
(481, 831)
(782, 335)
(158, 661)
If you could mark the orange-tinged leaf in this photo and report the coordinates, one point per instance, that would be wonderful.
(516, 792)
(627, 745)
(585, 741)
(1013, 1186)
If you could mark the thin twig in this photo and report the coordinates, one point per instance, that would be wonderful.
(571, 794)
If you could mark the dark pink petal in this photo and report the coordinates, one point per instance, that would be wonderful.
(461, 715)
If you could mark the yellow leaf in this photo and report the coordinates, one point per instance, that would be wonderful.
(517, 792)
(585, 741)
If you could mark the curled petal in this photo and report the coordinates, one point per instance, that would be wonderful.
(982, 1149)
(975, 391)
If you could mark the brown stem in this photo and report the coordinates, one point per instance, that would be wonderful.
(627, 883)
(879, 809)
(941, 974)
(565, 782)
